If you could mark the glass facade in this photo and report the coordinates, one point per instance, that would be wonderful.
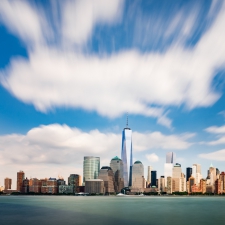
(127, 156)
(91, 167)
(171, 157)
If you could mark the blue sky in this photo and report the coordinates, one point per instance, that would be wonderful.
(71, 70)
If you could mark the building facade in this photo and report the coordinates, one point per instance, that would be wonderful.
(93, 186)
(138, 176)
(20, 178)
(188, 173)
(91, 167)
(106, 174)
(153, 178)
(116, 165)
(74, 180)
(7, 183)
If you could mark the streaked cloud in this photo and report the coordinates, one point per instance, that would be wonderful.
(144, 83)
(216, 129)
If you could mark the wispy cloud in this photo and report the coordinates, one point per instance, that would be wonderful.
(111, 84)
(152, 157)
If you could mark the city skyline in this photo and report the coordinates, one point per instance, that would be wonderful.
(67, 83)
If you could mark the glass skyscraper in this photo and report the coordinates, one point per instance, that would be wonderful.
(91, 167)
(127, 155)
(171, 157)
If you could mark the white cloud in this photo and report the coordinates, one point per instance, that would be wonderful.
(216, 130)
(110, 84)
(152, 157)
(53, 150)
(217, 155)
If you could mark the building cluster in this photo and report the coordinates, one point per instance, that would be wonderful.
(122, 175)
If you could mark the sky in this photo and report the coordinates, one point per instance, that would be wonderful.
(70, 72)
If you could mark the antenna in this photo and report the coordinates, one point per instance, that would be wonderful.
(127, 120)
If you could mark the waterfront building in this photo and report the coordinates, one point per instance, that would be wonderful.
(116, 165)
(91, 167)
(177, 171)
(7, 183)
(171, 157)
(222, 178)
(61, 181)
(74, 180)
(35, 185)
(127, 155)
(203, 186)
(175, 184)
(20, 178)
(138, 176)
(150, 168)
(49, 186)
(191, 183)
(93, 186)
(106, 174)
(25, 188)
(196, 173)
(218, 187)
(169, 185)
(209, 189)
(66, 189)
(183, 184)
(153, 178)
(188, 173)
(161, 184)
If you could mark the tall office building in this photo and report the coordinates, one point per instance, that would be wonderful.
(171, 157)
(153, 178)
(20, 178)
(138, 175)
(188, 173)
(127, 155)
(8, 183)
(168, 166)
(150, 168)
(106, 174)
(117, 167)
(91, 167)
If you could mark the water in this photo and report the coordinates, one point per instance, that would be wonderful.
(101, 210)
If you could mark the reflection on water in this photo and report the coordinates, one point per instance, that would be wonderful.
(111, 210)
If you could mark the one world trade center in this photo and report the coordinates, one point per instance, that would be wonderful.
(127, 155)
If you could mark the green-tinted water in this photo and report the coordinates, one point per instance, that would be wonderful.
(68, 210)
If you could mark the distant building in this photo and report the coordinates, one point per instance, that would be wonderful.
(106, 174)
(35, 185)
(20, 178)
(116, 165)
(74, 180)
(169, 185)
(153, 178)
(93, 186)
(150, 168)
(138, 176)
(49, 186)
(222, 178)
(161, 185)
(171, 157)
(66, 189)
(188, 173)
(203, 186)
(91, 167)
(25, 188)
(191, 183)
(8, 183)
(218, 187)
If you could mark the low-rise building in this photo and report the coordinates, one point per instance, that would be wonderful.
(93, 186)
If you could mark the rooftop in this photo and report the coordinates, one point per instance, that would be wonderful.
(138, 162)
(116, 158)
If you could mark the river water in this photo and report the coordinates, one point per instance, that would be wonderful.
(41, 210)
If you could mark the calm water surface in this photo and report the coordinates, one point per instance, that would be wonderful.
(68, 210)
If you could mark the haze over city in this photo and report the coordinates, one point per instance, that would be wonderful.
(70, 71)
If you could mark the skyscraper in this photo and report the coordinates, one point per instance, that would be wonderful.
(117, 166)
(127, 155)
(153, 178)
(8, 183)
(188, 173)
(138, 175)
(20, 178)
(171, 157)
(150, 168)
(91, 167)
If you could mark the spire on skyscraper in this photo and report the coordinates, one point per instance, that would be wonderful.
(127, 120)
